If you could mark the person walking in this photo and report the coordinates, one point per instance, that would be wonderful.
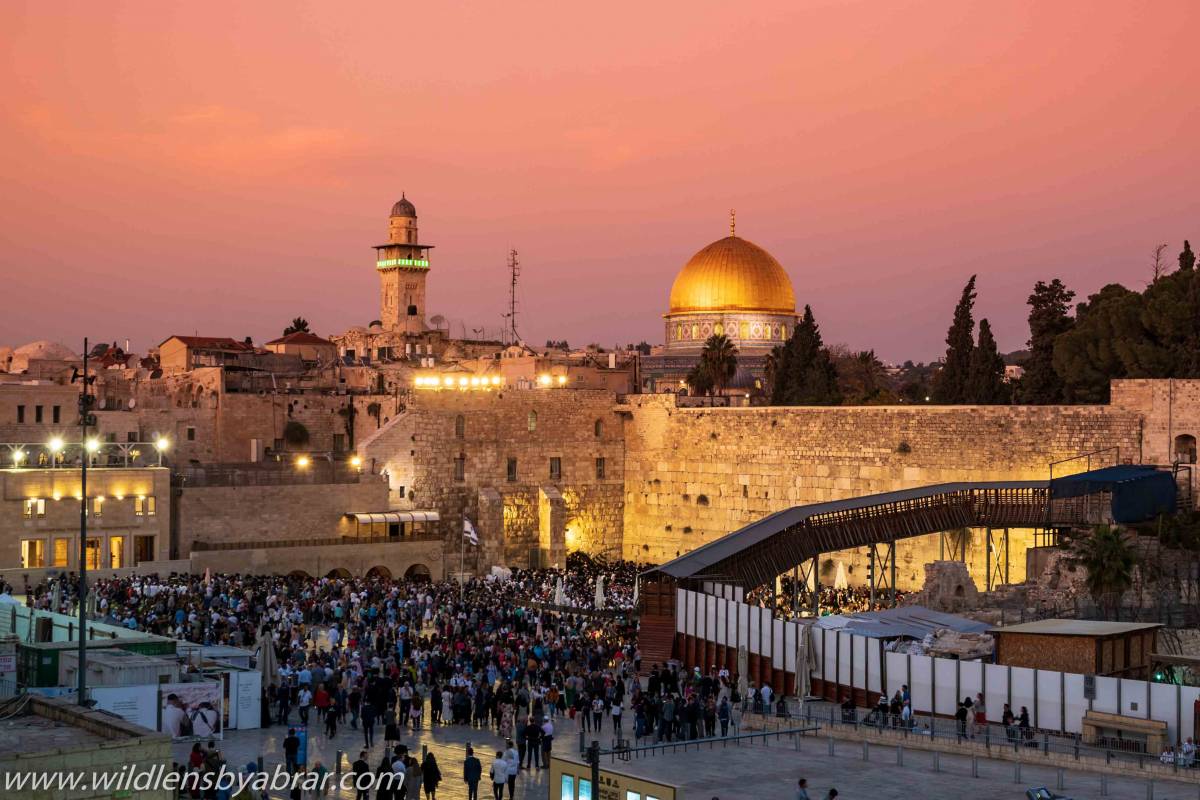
(431, 776)
(304, 699)
(291, 750)
(473, 773)
(367, 715)
(360, 768)
(514, 767)
(802, 790)
(499, 773)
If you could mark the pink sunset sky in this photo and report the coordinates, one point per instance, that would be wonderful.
(221, 167)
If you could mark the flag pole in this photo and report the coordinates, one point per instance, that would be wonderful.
(462, 560)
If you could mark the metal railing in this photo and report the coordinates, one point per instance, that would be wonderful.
(992, 736)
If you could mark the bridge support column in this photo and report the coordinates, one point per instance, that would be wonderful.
(816, 585)
(997, 569)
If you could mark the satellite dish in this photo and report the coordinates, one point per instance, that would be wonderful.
(132, 402)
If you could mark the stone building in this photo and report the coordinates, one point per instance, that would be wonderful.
(538, 471)
(129, 518)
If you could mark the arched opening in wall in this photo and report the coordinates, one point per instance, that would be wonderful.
(341, 573)
(460, 426)
(417, 572)
(1185, 448)
(598, 428)
(380, 572)
(959, 591)
(531, 422)
(299, 574)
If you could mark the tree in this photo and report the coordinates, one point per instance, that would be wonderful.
(299, 325)
(719, 358)
(862, 379)
(699, 380)
(1187, 259)
(1049, 307)
(1109, 561)
(1100, 345)
(1158, 266)
(985, 378)
(771, 369)
(950, 384)
(805, 375)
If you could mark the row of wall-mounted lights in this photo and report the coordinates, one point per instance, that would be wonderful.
(461, 382)
(303, 462)
(56, 446)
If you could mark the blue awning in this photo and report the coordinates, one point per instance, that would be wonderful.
(1139, 493)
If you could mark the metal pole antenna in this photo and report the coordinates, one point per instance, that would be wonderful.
(84, 414)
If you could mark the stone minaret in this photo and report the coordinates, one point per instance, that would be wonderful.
(403, 264)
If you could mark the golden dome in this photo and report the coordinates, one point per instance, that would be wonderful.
(732, 274)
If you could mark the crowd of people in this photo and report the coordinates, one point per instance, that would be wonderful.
(516, 657)
(788, 603)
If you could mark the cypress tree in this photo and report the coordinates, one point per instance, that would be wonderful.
(1048, 319)
(950, 384)
(985, 384)
(805, 372)
(1187, 259)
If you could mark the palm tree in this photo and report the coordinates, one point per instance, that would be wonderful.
(719, 358)
(699, 380)
(1109, 561)
(299, 325)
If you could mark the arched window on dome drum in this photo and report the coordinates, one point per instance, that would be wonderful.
(718, 329)
(678, 331)
(783, 332)
(744, 330)
(695, 331)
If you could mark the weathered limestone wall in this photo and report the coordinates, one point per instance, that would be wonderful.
(693, 475)
(214, 514)
(419, 450)
(1170, 411)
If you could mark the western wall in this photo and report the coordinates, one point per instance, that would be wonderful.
(695, 474)
(675, 478)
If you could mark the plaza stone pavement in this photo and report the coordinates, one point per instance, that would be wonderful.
(746, 772)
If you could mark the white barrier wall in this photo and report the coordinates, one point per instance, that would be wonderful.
(1055, 699)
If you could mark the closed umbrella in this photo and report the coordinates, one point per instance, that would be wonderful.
(268, 665)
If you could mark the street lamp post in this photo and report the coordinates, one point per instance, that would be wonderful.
(85, 418)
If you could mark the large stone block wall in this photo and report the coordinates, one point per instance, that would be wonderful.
(215, 514)
(693, 475)
(1170, 412)
(418, 451)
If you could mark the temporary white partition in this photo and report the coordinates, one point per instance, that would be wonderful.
(1106, 696)
(945, 678)
(1049, 699)
(970, 679)
(997, 677)
(1022, 691)
(874, 666)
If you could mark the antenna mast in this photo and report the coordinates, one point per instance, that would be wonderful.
(514, 271)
